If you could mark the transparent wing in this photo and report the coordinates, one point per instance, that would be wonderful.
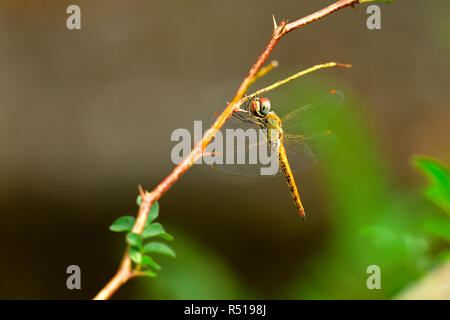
(240, 143)
(303, 152)
(237, 120)
(313, 117)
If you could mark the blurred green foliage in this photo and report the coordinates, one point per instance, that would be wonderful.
(438, 175)
(197, 273)
(375, 222)
(438, 192)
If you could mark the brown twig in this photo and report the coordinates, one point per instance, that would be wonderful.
(125, 271)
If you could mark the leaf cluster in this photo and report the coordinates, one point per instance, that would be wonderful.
(143, 246)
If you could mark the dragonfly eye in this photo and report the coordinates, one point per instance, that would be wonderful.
(264, 106)
(255, 107)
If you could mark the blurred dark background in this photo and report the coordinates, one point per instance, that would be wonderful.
(86, 115)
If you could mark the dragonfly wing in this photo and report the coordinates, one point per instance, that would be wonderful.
(234, 122)
(248, 145)
(303, 152)
(312, 117)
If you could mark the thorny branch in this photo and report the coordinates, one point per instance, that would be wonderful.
(125, 272)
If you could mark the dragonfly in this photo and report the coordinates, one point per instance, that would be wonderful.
(301, 139)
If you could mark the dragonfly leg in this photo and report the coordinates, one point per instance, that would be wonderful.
(240, 117)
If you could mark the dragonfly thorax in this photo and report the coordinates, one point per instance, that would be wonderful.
(272, 121)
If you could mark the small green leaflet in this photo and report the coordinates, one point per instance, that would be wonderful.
(134, 239)
(154, 212)
(148, 273)
(124, 223)
(158, 247)
(156, 230)
(135, 255)
(148, 261)
(139, 201)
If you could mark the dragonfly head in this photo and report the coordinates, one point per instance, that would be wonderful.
(260, 107)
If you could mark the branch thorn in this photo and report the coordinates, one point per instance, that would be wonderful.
(141, 191)
(275, 26)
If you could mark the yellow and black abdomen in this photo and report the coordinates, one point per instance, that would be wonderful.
(284, 166)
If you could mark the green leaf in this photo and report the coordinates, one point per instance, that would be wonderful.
(154, 212)
(156, 230)
(148, 261)
(438, 227)
(134, 239)
(139, 200)
(124, 223)
(148, 273)
(158, 247)
(135, 254)
(438, 175)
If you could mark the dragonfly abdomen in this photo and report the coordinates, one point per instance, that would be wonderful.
(284, 163)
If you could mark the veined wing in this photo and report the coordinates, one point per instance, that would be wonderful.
(305, 151)
(244, 149)
(313, 117)
(238, 120)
